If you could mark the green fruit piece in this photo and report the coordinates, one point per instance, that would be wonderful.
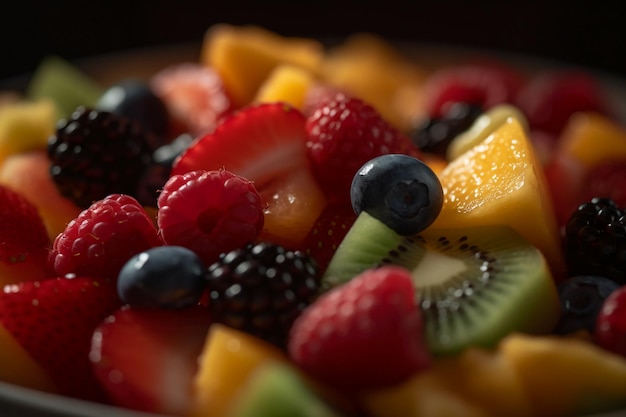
(277, 390)
(63, 83)
(483, 126)
(475, 285)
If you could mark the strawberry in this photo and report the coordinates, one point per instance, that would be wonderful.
(209, 212)
(155, 371)
(484, 84)
(194, 96)
(607, 179)
(103, 237)
(24, 241)
(327, 233)
(54, 320)
(365, 334)
(265, 144)
(342, 135)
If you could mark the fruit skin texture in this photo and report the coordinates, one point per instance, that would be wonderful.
(103, 237)
(154, 373)
(566, 376)
(399, 190)
(610, 326)
(265, 143)
(53, 320)
(24, 240)
(342, 135)
(227, 360)
(209, 212)
(365, 334)
(516, 195)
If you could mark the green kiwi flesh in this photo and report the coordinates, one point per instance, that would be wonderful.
(474, 285)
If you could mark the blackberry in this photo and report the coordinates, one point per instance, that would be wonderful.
(95, 153)
(434, 134)
(595, 240)
(261, 289)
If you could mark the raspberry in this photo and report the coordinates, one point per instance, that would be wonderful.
(97, 153)
(261, 289)
(343, 134)
(209, 212)
(100, 240)
(595, 240)
(610, 329)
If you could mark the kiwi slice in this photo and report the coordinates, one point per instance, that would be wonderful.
(474, 285)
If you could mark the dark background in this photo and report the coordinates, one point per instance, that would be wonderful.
(587, 33)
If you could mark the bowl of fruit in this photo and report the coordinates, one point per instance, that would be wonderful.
(261, 225)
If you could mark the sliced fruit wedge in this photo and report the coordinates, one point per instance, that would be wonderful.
(475, 284)
(265, 143)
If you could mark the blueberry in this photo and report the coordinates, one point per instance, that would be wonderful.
(399, 190)
(135, 99)
(162, 277)
(581, 299)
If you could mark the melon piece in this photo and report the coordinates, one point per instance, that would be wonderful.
(227, 360)
(566, 376)
(501, 181)
(374, 70)
(286, 83)
(18, 368)
(244, 56)
(29, 174)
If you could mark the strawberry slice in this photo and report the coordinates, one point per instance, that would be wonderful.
(153, 373)
(24, 241)
(54, 320)
(265, 144)
(365, 334)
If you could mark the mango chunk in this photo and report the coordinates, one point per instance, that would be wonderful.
(286, 83)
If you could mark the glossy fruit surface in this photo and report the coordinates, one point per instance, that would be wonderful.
(610, 327)
(399, 190)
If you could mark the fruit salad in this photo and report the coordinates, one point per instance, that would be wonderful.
(282, 227)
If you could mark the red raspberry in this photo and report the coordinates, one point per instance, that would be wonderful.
(209, 212)
(367, 333)
(342, 135)
(99, 241)
(610, 330)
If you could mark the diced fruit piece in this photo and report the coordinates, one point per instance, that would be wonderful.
(154, 372)
(483, 126)
(209, 212)
(582, 297)
(343, 134)
(29, 174)
(19, 368)
(24, 240)
(227, 361)
(65, 84)
(473, 283)
(265, 143)
(261, 288)
(500, 181)
(610, 326)
(551, 97)
(25, 126)
(103, 237)
(365, 334)
(169, 277)
(371, 68)
(423, 395)
(482, 84)
(286, 83)
(480, 379)
(53, 320)
(399, 190)
(194, 95)
(278, 390)
(566, 376)
(244, 56)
